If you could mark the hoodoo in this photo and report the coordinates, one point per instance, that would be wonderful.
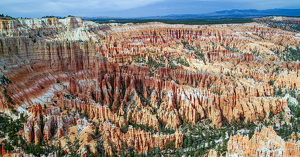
(75, 87)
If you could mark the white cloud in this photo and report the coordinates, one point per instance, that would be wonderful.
(38, 8)
(76, 7)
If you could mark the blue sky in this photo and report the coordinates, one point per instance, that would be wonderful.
(132, 8)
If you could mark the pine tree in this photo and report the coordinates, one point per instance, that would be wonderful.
(42, 126)
(223, 135)
(92, 155)
(213, 142)
(166, 148)
(123, 152)
(184, 144)
(190, 141)
(224, 145)
(114, 154)
(178, 153)
(219, 148)
(85, 114)
(202, 150)
(96, 130)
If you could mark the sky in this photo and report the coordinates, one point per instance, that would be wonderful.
(132, 8)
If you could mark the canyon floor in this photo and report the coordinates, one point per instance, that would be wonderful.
(71, 87)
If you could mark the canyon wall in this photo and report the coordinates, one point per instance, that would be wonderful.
(138, 76)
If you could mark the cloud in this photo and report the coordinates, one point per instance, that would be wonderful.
(63, 7)
(132, 8)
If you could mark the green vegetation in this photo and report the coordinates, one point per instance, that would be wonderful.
(59, 17)
(292, 54)
(288, 54)
(188, 21)
(6, 16)
(73, 147)
(172, 66)
(139, 59)
(272, 82)
(197, 49)
(4, 80)
(289, 26)
(189, 47)
(49, 16)
(9, 128)
(295, 109)
(202, 137)
(182, 61)
(286, 129)
(154, 63)
(232, 49)
(201, 56)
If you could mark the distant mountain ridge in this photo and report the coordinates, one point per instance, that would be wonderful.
(234, 13)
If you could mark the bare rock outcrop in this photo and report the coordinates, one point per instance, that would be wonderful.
(150, 75)
(264, 143)
(140, 140)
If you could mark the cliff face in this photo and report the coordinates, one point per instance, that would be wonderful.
(140, 140)
(154, 76)
(264, 143)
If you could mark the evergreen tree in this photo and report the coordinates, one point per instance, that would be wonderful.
(219, 148)
(85, 114)
(190, 142)
(166, 148)
(96, 131)
(213, 142)
(123, 152)
(41, 122)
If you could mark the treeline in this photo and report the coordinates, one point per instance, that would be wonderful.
(59, 17)
(2, 16)
(187, 21)
(289, 26)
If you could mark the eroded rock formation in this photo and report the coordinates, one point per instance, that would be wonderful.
(264, 143)
(153, 75)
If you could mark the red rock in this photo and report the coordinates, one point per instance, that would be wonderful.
(265, 143)
(75, 65)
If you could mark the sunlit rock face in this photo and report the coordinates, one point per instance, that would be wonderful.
(156, 76)
(264, 143)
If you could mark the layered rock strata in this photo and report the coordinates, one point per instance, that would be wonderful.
(148, 75)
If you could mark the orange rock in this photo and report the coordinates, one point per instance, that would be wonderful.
(265, 143)
(70, 65)
(142, 141)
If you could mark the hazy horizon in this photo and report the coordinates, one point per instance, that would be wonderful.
(132, 8)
